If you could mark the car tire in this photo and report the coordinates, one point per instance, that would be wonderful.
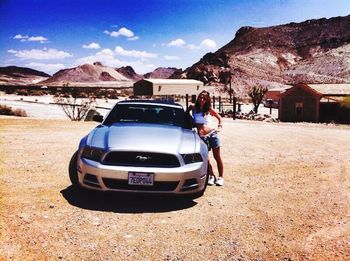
(73, 170)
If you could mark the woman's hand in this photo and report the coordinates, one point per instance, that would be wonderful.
(218, 129)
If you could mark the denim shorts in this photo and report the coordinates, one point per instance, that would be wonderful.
(212, 140)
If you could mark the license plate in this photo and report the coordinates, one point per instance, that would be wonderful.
(140, 178)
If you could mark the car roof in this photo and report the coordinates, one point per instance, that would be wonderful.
(169, 103)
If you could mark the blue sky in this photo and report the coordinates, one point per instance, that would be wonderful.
(52, 35)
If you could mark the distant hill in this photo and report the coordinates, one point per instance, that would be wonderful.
(314, 51)
(88, 74)
(161, 73)
(14, 75)
(129, 72)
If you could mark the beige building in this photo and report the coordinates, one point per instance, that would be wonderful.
(167, 87)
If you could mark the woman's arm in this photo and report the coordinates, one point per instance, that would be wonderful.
(190, 108)
(217, 116)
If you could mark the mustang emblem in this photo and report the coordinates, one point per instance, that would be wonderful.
(142, 158)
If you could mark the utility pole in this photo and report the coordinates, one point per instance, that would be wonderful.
(230, 91)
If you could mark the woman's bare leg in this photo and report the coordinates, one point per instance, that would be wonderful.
(219, 163)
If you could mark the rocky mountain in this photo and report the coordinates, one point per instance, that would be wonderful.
(129, 72)
(13, 75)
(161, 73)
(87, 74)
(96, 73)
(314, 51)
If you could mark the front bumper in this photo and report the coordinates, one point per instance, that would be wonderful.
(186, 179)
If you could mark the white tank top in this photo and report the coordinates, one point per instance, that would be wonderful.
(199, 118)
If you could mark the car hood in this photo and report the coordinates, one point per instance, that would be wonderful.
(144, 137)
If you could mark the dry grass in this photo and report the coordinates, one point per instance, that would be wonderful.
(7, 110)
(286, 197)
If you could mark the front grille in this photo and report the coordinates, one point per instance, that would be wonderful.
(157, 186)
(141, 159)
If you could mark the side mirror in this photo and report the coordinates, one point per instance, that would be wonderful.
(98, 118)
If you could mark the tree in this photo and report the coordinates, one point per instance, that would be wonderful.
(256, 94)
(75, 108)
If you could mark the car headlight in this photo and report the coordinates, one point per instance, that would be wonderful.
(192, 158)
(91, 153)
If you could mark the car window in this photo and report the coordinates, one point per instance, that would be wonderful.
(146, 113)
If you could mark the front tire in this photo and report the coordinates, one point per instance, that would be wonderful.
(73, 170)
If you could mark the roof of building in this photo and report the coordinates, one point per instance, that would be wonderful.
(279, 89)
(167, 87)
(331, 89)
(173, 81)
(151, 101)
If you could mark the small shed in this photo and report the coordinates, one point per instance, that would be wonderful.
(315, 103)
(161, 87)
(272, 96)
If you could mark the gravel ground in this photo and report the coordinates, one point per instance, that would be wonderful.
(286, 197)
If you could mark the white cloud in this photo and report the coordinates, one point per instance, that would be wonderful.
(133, 53)
(126, 32)
(37, 39)
(43, 54)
(208, 44)
(193, 47)
(140, 66)
(92, 46)
(44, 67)
(178, 42)
(108, 57)
(123, 32)
(25, 38)
(107, 52)
(19, 37)
(134, 38)
(168, 57)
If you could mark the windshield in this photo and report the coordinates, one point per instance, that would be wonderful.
(146, 113)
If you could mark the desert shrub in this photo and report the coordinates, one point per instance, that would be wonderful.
(10, 91)
(23, 92)
(345, 102)
(112, 95)
(57, 94)
(7, 110)
(83, 95)
(38, 92)
(76, 109)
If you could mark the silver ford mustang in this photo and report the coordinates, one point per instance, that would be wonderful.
(142, 146)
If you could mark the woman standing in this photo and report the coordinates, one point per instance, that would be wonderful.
(200, 112)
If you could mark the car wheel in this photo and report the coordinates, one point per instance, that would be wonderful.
(73, 172)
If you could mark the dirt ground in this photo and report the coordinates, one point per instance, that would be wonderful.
(286, 197)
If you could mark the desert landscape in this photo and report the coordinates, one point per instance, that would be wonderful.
(287, 185)
(286, 197)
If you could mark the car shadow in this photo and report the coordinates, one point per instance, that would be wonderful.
(125, 203)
